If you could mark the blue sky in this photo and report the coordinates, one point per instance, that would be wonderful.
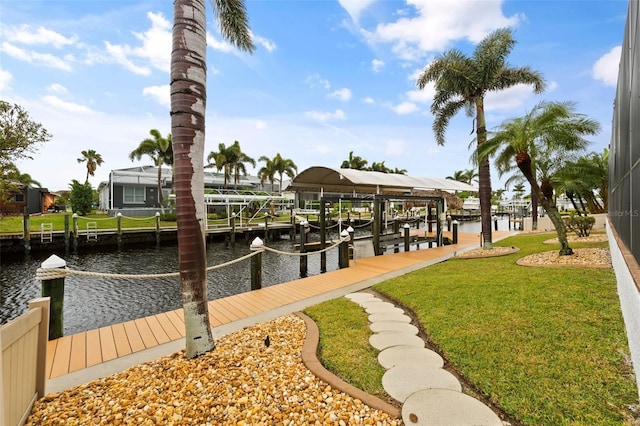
(328, 77)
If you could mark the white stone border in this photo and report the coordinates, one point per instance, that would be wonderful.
(629, 302)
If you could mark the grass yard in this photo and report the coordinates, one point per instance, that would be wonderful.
(547, 345)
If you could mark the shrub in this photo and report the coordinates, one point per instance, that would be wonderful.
(581, 225)
(81, 197)
(168, 217)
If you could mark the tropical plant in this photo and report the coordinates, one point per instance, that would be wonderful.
(267, 172)
(587, 180)
(549, 128)
(284, 166)
(230, 159)
(93, 160)
(518, 190)
(188, 101)
(160, 151)
(462, 82)
(19, 135)
(277, 165)
(354, 162)
(81, 197)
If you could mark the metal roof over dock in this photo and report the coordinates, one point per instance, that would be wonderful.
(327, 179)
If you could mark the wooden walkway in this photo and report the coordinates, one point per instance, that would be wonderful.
(79, 351)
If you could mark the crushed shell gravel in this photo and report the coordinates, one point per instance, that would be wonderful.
(241, 382)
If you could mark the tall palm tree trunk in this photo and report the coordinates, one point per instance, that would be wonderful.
(188, 99)
(523, 160)
(160, 195)
(534, 211)
(484, 178)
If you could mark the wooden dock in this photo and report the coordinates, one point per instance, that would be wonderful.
(77, 352)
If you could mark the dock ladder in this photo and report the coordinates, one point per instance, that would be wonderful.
(46, 232)
(92, 231)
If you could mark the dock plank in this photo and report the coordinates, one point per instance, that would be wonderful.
(123, 347)
(133, 335)
(168, 327)
(146, 334)
(78, 359)
(60, 365)
(107, 344)
(177, 321)
(94, 351)
(51, 353)
(157, 330)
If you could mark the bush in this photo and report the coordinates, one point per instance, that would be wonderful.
(168, 217)
(581, 225)
(81, 197)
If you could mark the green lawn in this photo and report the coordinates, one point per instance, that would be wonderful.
(548, 345)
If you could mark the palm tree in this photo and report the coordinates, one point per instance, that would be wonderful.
(354, 162)
(462, 82)
(379, 167)
(284, 166)
(238, 161)
(230, 159)
(267, 172)
(160, 151)
(589, 176)
(399, 171)
(93, 159)
(188, 102)
(222, 160)
(458, 175)
(548, 129)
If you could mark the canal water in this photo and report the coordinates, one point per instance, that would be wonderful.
(94, 302)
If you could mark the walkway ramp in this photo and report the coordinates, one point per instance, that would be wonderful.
(82, 357)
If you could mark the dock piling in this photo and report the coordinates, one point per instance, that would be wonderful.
(256, 264)
(54, 289)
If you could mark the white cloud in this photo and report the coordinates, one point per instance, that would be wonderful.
(154, 50)
(35, 58)
(323, 117)
(120, 55)
(26, 35)
(377, 65)
(5, 78)
(267, 44)
(219, 45)
(422, 96)
(438, 23)
(61, 105)
(314, 80)
(508, 99)
(369, 100)
(405, 108)
(343, 94)
(261, 124)
(355, 7)
(606, 67)
(57, 88)
(161, 94)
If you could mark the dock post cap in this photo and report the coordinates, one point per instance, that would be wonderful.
(350, 229)
(54, 262)
(157, 214)
(455, 222)
(119, 214)
(256, 243)
(406, 226)
(344, 233)
(75, 215)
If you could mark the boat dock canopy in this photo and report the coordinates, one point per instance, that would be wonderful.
(327, 179)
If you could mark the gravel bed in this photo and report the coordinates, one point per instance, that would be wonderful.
(241, 382)
(587, 257)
